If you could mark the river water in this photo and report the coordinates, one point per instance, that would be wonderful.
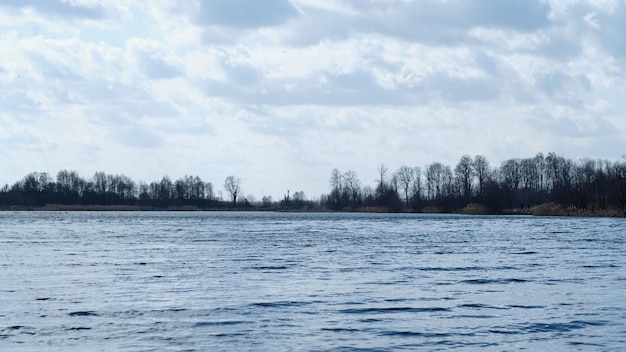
(254, 281)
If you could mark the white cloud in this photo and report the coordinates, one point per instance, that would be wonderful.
(245, 14)
(510, 40)
(281, 92)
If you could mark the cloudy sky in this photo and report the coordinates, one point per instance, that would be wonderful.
(280, 92)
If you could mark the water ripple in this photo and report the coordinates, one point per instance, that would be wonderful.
(159, 281)
(394, 310)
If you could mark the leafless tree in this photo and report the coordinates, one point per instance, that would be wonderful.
(481, 170)
(232, 185)
(510, 174)
(540, 166)
(406, 177)
(336, 181)
(417, 183)
(208, 191)
(352, 186)
(463, 172)
(382, 171)
(434, 179)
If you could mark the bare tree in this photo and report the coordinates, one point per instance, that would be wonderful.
(165, 189)
(267, 201)
(464, 171)
(528, 173)
(232, 185)
(417, 184)
(540, 166)
(352, 186)
(198, 188)
(620, 175)
(448, 186)
(406, 177)
(208, 191)
(100, 182)
(481, 169)
(510, 174)
(336, 181)
(368, 194)
(434, 179)
(382, 171)
(336, 185)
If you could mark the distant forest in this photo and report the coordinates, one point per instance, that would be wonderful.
(586, 186)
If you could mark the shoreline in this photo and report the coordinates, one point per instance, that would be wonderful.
(542, 210)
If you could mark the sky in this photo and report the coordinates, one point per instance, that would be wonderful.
(281, 92)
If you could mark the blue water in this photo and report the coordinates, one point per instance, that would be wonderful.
(178, 281)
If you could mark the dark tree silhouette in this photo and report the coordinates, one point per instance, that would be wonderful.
(382, 181)
(232, 185)
(584, 186)
(351, 189)
(482, 172)
(406, 179)
(464, 171)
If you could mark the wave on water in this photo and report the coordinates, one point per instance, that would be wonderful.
(16, 330)
(83, 314)
(280, 304)
(358, 282)
(270, 267)
(220, 323)
(493, 281)
(533, 328)
(384, 310)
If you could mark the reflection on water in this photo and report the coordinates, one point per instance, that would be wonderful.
(309, 281)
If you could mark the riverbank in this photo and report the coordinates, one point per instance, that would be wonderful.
(547, 209)
(552, 209)
(77, 207)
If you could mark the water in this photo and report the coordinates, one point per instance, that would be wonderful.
(176, 281)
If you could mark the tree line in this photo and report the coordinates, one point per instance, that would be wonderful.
(68, 188)
(519, 183)
(38, 189)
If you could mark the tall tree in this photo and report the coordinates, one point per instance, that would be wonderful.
(406, 178)
(352, 187)
(434, 179)
(165, 190)
(336, 185)
(540, 166)
(481, 170)
(100, 183)
(232, 185)
(620, 178)
(382, 187)
(208, 191)
(463, 172)
(417, 185)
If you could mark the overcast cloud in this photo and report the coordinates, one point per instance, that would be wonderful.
(280, 92)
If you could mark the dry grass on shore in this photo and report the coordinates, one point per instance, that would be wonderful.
(553, 209)
(474, 209)
(546, 209)
(78, 207)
